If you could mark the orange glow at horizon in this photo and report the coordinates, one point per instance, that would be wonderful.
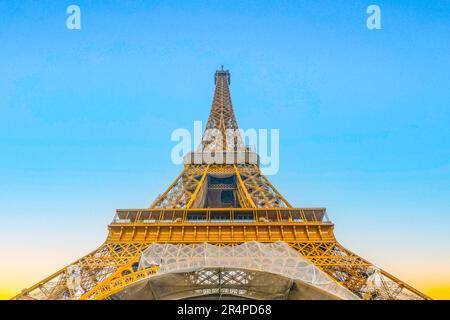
(439, 293)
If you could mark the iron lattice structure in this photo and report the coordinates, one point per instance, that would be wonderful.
(222, 204)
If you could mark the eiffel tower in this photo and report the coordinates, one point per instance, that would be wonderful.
(221, 231)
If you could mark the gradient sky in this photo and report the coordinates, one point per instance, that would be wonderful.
(86, 118)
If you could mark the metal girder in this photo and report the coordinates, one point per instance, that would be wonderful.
(221, 120)
(117, 272)
(261, 191)
(245, 198)
(113, 266)
(254, 188)
(180, 192)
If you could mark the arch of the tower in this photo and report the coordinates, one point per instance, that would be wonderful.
(222, 283)
(251, 270)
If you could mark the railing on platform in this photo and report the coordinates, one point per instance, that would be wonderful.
(221, 215)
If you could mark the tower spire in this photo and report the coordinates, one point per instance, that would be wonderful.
(221, 131)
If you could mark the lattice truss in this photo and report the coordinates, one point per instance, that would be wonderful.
(262, 192)
(254, 189)
(84, 274)
(114, 266)
(274, 258)
(181, 191)
(221, 131)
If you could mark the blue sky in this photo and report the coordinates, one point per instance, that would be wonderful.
(86, 117)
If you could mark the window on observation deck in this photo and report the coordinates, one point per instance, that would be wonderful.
(220, 216)
(196, 217)
(243, 217)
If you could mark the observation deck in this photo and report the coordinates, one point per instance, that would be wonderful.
(221, 225)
